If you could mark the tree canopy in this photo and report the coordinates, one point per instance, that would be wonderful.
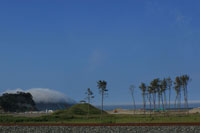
(18, 102)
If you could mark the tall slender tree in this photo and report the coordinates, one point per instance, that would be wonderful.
(102, 90)
(89, 94)
(143, 89)
(169, 85)
(132, 87)
(185, 79)
(150, 90)
(158, 94)
(177, 87)
(154, 84)
(182, 78)
(163, 87)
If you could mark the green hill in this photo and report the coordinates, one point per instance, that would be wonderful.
(80, 109)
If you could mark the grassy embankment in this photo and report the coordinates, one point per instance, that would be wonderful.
(78, 114)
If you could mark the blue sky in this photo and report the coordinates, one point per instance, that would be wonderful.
(69, 45)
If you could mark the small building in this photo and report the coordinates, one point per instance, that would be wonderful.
(82, 101)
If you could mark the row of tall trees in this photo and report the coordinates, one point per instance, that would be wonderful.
(158, 89)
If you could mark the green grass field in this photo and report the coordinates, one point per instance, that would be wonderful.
(78, 114)
(96, 119)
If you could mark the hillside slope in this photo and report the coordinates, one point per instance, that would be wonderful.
(81, 109)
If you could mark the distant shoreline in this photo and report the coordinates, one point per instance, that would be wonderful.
(140, 106)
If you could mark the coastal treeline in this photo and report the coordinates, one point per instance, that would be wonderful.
(158, 89)
(157, 94)
(19, 102)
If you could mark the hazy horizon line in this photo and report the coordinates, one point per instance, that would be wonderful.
(127, 104)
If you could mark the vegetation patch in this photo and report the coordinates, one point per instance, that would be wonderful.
(107, 118)
(80, 109)
(19, 102)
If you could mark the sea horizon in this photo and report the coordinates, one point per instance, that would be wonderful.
(140, 106)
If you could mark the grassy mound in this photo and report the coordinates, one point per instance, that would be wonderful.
(81, 109)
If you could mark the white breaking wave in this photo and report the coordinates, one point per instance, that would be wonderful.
(45, 95)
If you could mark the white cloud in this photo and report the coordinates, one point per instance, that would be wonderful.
(95, 60)
(180, 18)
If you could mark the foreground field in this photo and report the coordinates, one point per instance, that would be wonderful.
(79, 114)
(54, 118)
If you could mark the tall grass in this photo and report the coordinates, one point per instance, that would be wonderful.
(96, 119)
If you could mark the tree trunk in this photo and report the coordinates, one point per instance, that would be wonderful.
(184, 93)
(88, 106)
(165, 101)
(176, 101)
(133, 103)
(186, 99)
(144, 102)
(134, 106)
(186, 96)
(150, 102)
(154, 101)
(159, 100)
(179, 100)
(169, 97)
(162, 101)
(102, 95)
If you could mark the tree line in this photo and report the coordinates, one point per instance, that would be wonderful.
(157, 91)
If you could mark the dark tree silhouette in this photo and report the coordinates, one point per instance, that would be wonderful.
(132, 87)
(150, 90)
(169, 85)
(102, 89)
(143, 89)
(184, 80)
(19, 102)
(89, 94)
(154, 85)
(163, 88)
(177, 87)
(158, 90)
